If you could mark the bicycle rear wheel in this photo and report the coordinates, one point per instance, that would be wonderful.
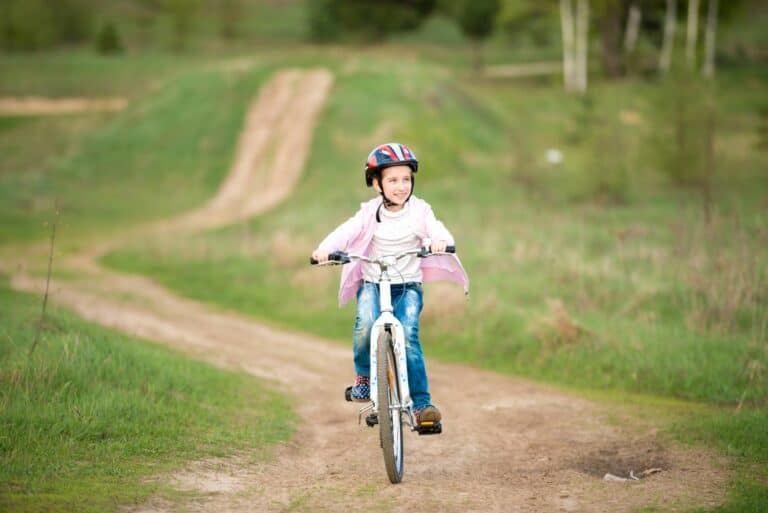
(390, 419)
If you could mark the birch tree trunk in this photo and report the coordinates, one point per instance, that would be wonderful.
(582, 44)
(567, 24)
(709, 48)
(693, 33)
(633, 28)
(669, 36)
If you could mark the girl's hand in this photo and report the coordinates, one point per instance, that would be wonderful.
(438, 247)
(320, 256)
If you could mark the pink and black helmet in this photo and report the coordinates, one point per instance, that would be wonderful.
(387, 155)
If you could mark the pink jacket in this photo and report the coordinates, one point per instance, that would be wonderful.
(355, 235)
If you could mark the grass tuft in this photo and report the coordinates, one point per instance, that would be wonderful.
(91, 413)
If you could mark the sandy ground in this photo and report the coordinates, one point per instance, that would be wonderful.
(35, 105)
(508, 444)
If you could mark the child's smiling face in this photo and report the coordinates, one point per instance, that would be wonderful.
(397, 183)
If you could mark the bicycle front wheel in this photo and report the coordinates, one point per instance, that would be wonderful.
(390, 419)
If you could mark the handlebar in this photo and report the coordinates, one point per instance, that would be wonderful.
(340, 257)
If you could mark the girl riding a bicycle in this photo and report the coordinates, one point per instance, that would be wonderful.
(393, 222)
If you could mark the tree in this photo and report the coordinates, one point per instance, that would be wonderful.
(610, 16)
(39, 24)
(108, 39)
(575, 28)
(709, 52)
(665, 59)
(634, 17)
(582, 43)
(374, 20)
(532, 21)
(692, 33)
(476, 19)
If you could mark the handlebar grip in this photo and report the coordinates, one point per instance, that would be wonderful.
(425, 251)
(338, 257)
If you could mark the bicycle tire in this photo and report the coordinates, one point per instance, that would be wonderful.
(390, 422)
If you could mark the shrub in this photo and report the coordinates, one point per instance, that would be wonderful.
(108, 39)
(338, 19)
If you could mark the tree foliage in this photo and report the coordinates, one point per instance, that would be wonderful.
(37, 24)
(229, 12)
(108, 39)
(477, 17)
(374, 20)
(182, 13)
(538, 22)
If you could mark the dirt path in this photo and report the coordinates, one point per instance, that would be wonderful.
(523, 70)
(35, 105)
(508, 445)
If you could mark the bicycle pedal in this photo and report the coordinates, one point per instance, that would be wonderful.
(372, 420)
(429, 428)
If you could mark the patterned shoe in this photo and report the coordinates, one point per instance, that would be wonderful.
(361, 390)
(428, 415)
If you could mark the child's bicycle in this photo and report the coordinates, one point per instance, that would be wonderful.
(391, 403)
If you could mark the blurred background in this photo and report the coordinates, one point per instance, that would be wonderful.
(601, 163)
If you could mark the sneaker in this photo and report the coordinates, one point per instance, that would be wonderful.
(429, 414)
(361, 390)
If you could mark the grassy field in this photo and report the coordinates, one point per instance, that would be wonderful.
(579, 276)
(98, 167)
(92, 413)
(595, 273)
(640, 294)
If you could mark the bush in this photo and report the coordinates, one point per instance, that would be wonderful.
(26, 26)
(477, 17)
(374, 21)
(39, 24)
(108, 39)
(323, 24)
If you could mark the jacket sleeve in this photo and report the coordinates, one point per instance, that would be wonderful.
(436, 230)
(339, 239)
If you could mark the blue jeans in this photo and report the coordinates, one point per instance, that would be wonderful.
(407, 300)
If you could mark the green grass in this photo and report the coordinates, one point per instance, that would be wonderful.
(92, 413)
(83, 73)
(166, 151)
(660, 302)
(594, 273)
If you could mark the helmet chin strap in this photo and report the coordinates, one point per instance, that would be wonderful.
(386, 202)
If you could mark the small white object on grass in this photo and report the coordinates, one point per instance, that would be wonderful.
(554, 156)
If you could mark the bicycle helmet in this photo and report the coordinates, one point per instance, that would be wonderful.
(387, 155)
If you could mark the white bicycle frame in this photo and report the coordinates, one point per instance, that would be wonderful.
(399, 397)
(387, 320)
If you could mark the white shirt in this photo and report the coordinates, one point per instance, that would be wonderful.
(392, 235)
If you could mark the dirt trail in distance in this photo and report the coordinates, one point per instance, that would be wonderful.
(35, 105)
(508, 444)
